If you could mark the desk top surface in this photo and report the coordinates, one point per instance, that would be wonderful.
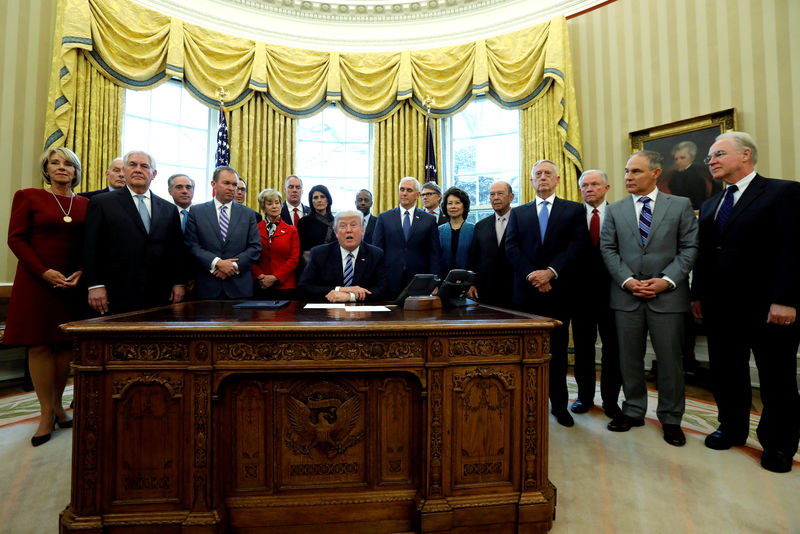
(220, 316)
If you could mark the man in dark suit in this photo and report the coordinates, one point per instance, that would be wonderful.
(222, 238)
(409, 239)
(432, 201)
(545, 239)
(293, 209)
(494, 281)
(591, 310)
(134, 256)
(649, 244)
(746, 291)
(115, 178)
(347, 270)
(181, 188)
(364, 205)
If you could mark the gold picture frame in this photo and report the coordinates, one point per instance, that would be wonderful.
(683, 145)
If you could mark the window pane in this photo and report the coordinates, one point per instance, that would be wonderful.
(166, 103)
(193, 112)
(137, 103)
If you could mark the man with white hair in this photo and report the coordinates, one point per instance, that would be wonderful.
(347, 270)
(746, 290)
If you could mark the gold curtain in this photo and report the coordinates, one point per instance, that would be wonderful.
(95, 134)
(262, 142)
(398, 151)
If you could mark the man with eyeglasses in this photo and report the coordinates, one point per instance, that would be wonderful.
(746, 291)
(346, 270)
(432, 200)
(240, 196)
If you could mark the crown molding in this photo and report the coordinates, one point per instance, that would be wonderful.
(366, 25)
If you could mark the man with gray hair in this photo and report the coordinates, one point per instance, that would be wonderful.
(409, 238)
(592, 313)
(347, 270)
(115, 178)
(545, 240)
(293, 209)
(134, 256)
(181, 188)
(745, 290)
(649, 244)
(432, 200)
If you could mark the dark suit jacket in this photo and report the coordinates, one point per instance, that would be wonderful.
(495, 277)
(370, 229)
(137, 268)
(324, 272)
(564, 243)
(288, 218)
(760, 239)
(92, 194)
(670, 251)
(421, 254)
(204, 241)
(594, 292)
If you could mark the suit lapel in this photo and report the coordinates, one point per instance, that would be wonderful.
(663, 203)
(416, 222)
(359, 264)
(753, 191)
(629, 216)
(552, 218)
(128, 204)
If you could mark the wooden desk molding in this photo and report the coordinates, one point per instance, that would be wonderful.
(199, 418)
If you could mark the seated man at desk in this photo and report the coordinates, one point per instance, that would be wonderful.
(346, 270)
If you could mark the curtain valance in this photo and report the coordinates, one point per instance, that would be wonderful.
(140, 48)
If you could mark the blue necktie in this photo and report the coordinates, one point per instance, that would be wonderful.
(348, 270)
(726, 207)
(406, 225)
(543, 215)
(645, 219)
(184, 215)
(223, 221)
(143, 213)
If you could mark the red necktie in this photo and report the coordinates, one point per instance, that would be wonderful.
(296, 217)
(432, 212)
(594, 227)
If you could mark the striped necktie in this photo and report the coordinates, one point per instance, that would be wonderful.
(223, 221)
(348, 270)
(645, 219)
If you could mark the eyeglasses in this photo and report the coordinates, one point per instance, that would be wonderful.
(428, 194)
(718, 154)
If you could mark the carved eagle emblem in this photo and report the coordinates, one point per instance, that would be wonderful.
(324, 423)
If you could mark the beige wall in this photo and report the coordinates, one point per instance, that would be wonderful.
(26, 38)
(642, 63)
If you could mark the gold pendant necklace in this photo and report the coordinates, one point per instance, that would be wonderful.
(67, 218)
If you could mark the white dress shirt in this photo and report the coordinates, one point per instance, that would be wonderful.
(601, 212)
(291, 211)
(345, 252)
(741, 185)
(410, 216)
(146, 200)
(500, 223)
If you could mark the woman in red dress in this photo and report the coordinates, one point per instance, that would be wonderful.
(45, 233)
(280, 250)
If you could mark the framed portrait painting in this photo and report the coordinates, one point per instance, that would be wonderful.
(683, 145)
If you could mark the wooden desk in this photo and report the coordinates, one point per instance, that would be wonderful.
(201, 418)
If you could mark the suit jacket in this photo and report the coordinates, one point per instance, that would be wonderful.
(464, 242)
(592, 266)
(670, 251)
(137, 268)
(761, 239)
(370, 229)
(421, 254)
(494, 276)
(325, 271)
(279, 257)
(204, 241)
(564, 243)
(92, 194)
(288, 218)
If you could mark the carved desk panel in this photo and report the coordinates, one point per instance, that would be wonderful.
(201, 418)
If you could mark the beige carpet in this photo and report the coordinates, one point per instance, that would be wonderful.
(607, 482)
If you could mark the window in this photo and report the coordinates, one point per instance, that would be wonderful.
(483, 147)
(334, 150)
(179, 131)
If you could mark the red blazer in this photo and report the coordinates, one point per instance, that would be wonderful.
(280, 257)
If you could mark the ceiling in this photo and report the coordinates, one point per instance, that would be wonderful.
(367, 25)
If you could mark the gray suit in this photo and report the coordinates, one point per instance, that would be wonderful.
(669, 253)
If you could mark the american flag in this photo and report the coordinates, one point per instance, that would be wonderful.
(223, 148)
(430, 156)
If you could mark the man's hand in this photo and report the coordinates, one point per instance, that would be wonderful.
(697, 309)
(98, 300)
(227, 268)
(780, 314)
(178, 292)
(473, 293)
(541, 278)
(647, 289)
(358, 291)
(337, 296)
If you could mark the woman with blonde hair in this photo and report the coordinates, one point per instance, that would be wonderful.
(45, 233)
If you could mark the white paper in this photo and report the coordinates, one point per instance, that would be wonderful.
(323, 306)
(367, 308)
